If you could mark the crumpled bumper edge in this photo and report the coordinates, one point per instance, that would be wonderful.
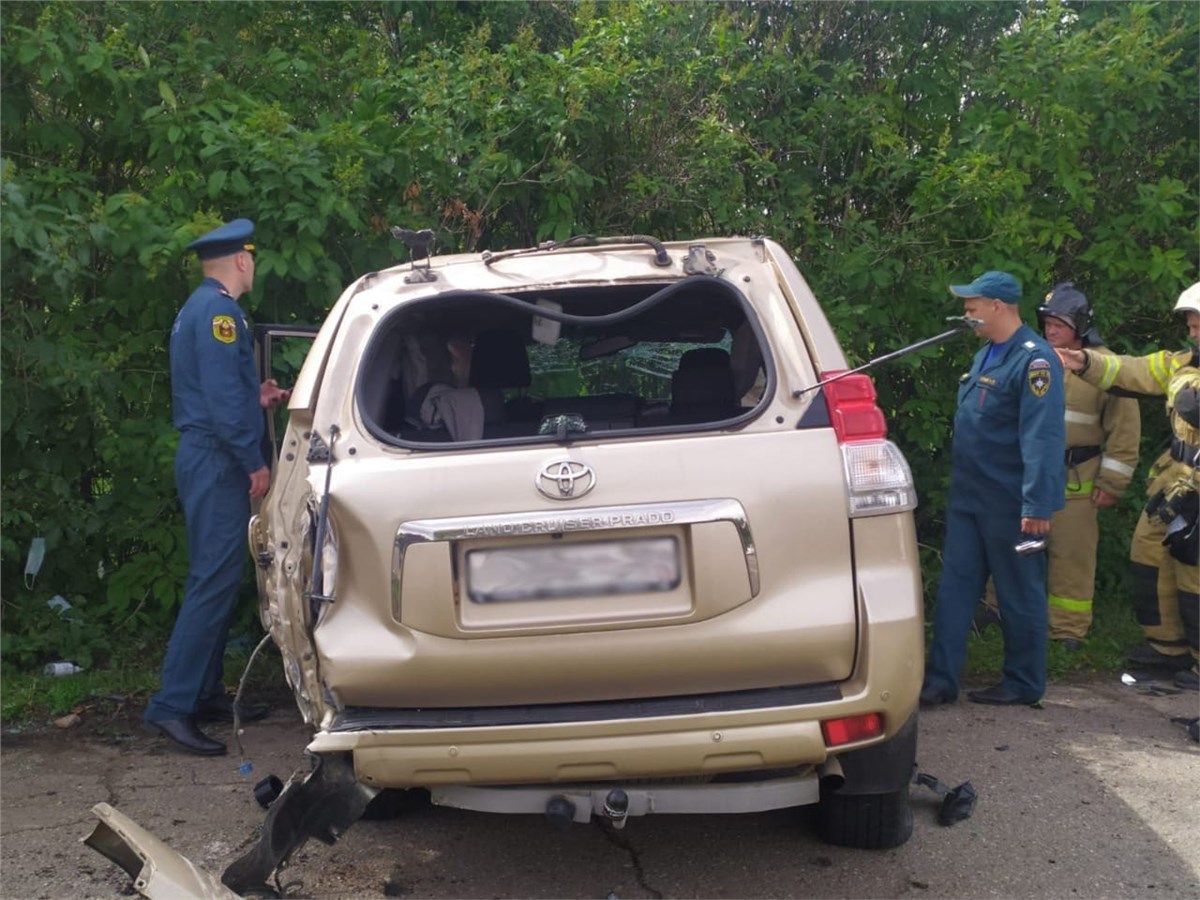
(158, 872)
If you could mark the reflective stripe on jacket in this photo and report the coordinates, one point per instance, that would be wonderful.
(1161, 373)
(1096, 418)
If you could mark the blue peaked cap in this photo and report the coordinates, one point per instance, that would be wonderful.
(230, 238)
(993, 285)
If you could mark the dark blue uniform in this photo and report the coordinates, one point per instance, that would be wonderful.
(1007, 463)
(215, 394)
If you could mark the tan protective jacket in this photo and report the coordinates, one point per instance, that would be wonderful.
(1096, 418)
(1161, 373)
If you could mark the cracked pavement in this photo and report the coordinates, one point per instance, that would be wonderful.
(1098, 795)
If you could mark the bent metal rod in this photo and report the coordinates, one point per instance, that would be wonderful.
(966, 323)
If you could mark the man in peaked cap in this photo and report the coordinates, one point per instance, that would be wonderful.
(1006, 481)
(218, 408)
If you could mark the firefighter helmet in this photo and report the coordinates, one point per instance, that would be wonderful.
(1189, 300)
(1070, 305)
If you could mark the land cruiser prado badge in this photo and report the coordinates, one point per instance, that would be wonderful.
(565, 479)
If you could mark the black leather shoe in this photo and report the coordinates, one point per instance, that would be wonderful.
(221, 710)
(999, 695)
(184, 733)
(1146, 655)
(932, 696)
(1071, 645)
(1188, 679)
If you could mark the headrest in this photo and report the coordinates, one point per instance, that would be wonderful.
(499, 360)
(704, 358)
(705, 381)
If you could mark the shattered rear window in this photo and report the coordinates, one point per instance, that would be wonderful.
(464, 367)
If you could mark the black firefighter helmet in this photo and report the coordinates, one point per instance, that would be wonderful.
(1070, 305)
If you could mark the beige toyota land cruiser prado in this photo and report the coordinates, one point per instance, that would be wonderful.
(575, 531)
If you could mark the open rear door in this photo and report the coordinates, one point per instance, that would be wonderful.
(279, 351)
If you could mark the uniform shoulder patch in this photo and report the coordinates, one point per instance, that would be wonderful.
(224, 329)
(1039, 376)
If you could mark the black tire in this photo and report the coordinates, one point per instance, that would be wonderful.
(865, 821)
(391, 803)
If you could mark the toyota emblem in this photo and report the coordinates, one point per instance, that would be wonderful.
(565, 479)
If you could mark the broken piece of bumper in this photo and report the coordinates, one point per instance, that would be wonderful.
(158, 872)
(321, 804)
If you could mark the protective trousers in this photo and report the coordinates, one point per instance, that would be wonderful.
(1074, 535)
(214, 491)
(1071, 566)
(1166, 592)
(979, 544)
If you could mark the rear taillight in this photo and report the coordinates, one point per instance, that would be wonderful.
(878, 480)
(851, 729)
(852, 409)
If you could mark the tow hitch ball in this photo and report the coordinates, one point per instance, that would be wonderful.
(561, 812)
(616, 808)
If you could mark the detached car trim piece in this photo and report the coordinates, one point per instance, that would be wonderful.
(158, 872)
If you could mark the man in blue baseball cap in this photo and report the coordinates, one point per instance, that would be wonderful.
(218, 408)
(1006, 481)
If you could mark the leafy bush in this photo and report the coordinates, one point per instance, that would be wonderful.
(892, 147)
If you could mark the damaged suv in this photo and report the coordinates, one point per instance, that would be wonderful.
(588, 530)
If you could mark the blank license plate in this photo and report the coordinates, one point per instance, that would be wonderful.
(546, 572)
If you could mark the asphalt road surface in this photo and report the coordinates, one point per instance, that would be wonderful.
(1097, 795)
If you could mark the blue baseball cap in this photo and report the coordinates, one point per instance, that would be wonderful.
(232, 237)
(993, 285)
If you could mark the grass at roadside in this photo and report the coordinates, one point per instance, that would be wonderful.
(1103, 651)
(1113, 631)
(131, 674)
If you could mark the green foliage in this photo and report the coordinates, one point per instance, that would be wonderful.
(127, 679)
(891, 147)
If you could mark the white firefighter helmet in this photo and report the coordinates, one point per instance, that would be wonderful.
(1189, 300)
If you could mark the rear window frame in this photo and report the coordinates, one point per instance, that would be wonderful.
(386, 327)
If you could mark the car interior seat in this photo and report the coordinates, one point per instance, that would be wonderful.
(702, 386)
(499, 361)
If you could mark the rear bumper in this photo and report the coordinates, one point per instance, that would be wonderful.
(582, 752)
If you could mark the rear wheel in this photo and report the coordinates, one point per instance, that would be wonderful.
(865, 821)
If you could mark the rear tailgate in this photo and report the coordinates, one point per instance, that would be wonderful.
(702, 563)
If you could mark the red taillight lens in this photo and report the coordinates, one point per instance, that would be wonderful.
(852, 728)
(852, 409)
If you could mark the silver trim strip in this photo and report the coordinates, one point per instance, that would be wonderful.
(596, 518)
(1079, 418)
